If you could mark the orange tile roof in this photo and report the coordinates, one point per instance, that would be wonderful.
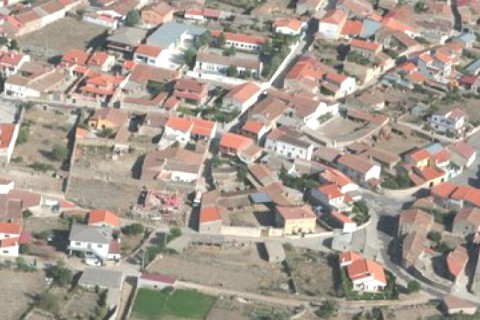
(419, 155)
(444, 190)
(441, 157)
(355, 163)
(179, 124)
(417, 77)
(98, 58)
(103, 216)
(457, 261)
(202, 127)
(293, 24)
(148, 50)
(75, 57)
(335, 16)
(235, 142)
(209, 214)
(352, 28)
(364, 268)
(336, 77)
(331, 191)
(408, 67)
(349, 257)
(10, 228)
(292, 213)
(6, 134)
(243, 92)
(335, 176)
(9, 242)
(431, 173)
(253, 126)
(365, 45)
(237, 37)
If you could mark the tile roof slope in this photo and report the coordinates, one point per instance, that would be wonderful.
(10, 228)
(243, 92)
(105, 216)
(417, 217)
(297, 212)
(209, 214)
(235, 141)
(362, 268)
(457, 260)
(355, 163)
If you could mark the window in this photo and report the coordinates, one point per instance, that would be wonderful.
(99, 246)
(78, 243)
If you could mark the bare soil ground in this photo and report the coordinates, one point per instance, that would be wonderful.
(18, 291)
(339, 127)
(69, 34)
(80, 305)
(311, 272)
(46, 128)
(39, 315)
(399, 145)
(422, 312)
(469, 105)
(233, 309)
(235, 268)
(57, 228)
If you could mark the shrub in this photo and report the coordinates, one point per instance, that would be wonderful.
(133, 229)
(62, 276)
(413, 286)
(49, 303)
(434, 236)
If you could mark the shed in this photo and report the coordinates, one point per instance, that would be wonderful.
(455, 305)
(156, 281)
(275, 251)
(103, 278)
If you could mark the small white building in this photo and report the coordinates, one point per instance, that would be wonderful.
(452, 120)
(151, 55)
(291, 27)
(242, 96)
(102, 20)
(156, 281)
(366, 275)
(331, 24)
(289, 143)
(10, 238)
(8, 138)
(358, 169)
(6, 185)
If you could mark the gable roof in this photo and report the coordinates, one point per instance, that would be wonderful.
(84, 233)
(457, 260)
(243, 92)
(103, 216)
(293, 213)
(363, 268)
(209, 214)
(235, 141)
(355, 163)
(335, 16)
(10, 228)
(417, 218)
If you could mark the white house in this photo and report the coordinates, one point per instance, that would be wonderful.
(10, 238)
(156, 281)
(151, 55)
(212, 62)
(289, 143)
(311, 120)
(338, 85)
(435, 65)
(359, 169)
(6, 185)
(94, 243)
(8, 137)
(291, 27)
(331, 175)
(331, 24)
(330, 196)
(241, 41)
(184, 129)
(451, 120)
(242, 96)
(366, 275)
(11, 61)
(101, 20)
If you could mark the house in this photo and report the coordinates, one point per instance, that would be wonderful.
(295, 219)
(254, 129)
(414, 220)
(332, 197)
(172, 35)
(97, 244)
(289, 26)
(8, 138)
(347, 224)
(11, 62)
(76, 59)
(241, 41)
(214, 61)
(455, 305)
(242, 147)
(337, 85)
(176, 164)
(331, 24)
(305, 75)
(308, 6)
(289, 143)
(203, 14)
(210, 220)
(366, 275)
(184, 129)
(450, 195)
(6, 185)
(142, 75)
(336, 177)
(103, 218)
(436, 66)
(102, 20)
(108, 119)
(463, 155)
(359, 169)
(358, 9)
(150, 55)
(98, 89)
(16, 201)
(467, 222)
(156, 14)
(32, 80)
(191, 91)
(414, 248)
(126, 40)
(449, 121)
(242, 96)
(10, 233)
(366, 49)
(457, 261)
(156, 281)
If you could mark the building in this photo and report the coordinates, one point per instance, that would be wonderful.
(171, 35)
(289, 26)
(156, 14)
(289, 143)
(450, 195)
(467, 222)
(203, 14)
(211, 61)
(10, 233)
(8, 138)
(126, 40)
(191, 91)
(105, 279)
(359, 169)
(6, 185)
(454, 305)
(337, 85)
(175, 164)
(330, 196)
(295, 219)
(150, 55)
(102, 20)
(275, 251)
(210, 220)
(242, 96)
(436, 66)
(366, 49)
(308, 6)
(463, 155)
(12, 61)
(457, 261)
(366, 275)
(331, 24)
(336, 177)
(185, 129)
(414, 220)
(103, 218)
(95, 244)
(451, 121)
(156, 281)
(108, 118)
(241, 41)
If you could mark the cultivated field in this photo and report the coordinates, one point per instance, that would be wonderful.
(239, 268)
(69, 34)
(19, 289)
(181, 304)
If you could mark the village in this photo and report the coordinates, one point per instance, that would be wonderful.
(192, 159)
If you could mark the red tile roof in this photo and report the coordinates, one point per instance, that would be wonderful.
(365, 45)
(365, 268)
(349, 256)
(335, 176)
(243, 92)
(253, 126)
(6, 134)
(148, 50)
(331, 191)
(463, 149)
(10, 228)
(235, 142)
(355, 163)
(209, 214)
(341, 217)
(336, 16)
(237, 37)
(103, 216)
(419, 155)
(292, 213)
(293, 24)
(457, 260)
(157, 277)
(9, 242)
(352, 28)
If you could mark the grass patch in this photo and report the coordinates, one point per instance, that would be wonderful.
(152, 304)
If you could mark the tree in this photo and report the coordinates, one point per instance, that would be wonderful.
(23, 134)
(13, 45)
(62, 276)
(133, 229)
(327, 309)
(232, 71)
(106, 133)
(154, 88)
(230, 51)
(189, 56)
(267, 47)
(26, 214)
(221, 40)
(49, 303)
(413, 286)
(434, 236)
(203, 40)
(59, 152)
(133, 18)
(174, 233)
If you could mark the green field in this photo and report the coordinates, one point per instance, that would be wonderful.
(153, 305)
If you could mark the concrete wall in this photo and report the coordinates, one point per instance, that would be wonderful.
(402, 193)
(241, 231)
